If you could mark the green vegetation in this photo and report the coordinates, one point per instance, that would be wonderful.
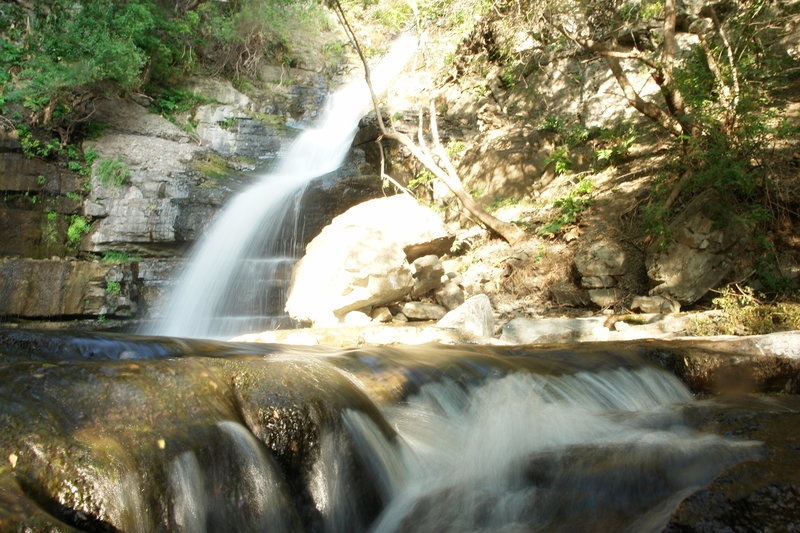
(562, 163)
(61, 55)
(569, 207)
(112, 171)
(113, 288)
(454, 148)
(78, 227)
(118, 256)
(212, 167)
(501, 201)
(422, 179)
(743, 312)
(615, 146)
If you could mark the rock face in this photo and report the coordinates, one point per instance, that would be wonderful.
(361, 260)
(38, 199)
(172, 182)
(700, 255)
(600, 265)
(145, 209)
(45, 288)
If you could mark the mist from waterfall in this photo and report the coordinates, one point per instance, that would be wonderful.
(227, 287)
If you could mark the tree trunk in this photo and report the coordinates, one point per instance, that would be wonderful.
(508, 232)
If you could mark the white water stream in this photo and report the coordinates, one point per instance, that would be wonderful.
(227, 269)
(591, 451)
(605, 451)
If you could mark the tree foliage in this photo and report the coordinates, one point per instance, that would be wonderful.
(60, 55)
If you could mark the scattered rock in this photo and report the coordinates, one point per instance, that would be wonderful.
(602, 258)
(474, 317)
(427, 271)
(655, 304)
(381, 314)
(450, 295)
(606, 298)
(399, 318)
(422, 311)
(701, 254)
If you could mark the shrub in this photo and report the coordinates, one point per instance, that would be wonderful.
(113, 288)
(112, 171)
(569, 207)
(78, 227)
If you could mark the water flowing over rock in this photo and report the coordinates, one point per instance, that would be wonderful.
(122, 433)
(227, 287)
(361, 260)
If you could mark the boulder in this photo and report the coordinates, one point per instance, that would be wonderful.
(428, 272)
(450, 295)
(357, 318)
(346, 269)
(360, 260)
(599, 261)
(474, 317)
(422, 311)
(700, 255)
(415, 228)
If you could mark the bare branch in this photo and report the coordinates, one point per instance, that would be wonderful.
(673, 97)
(648, 109)
(734, 103)
(386, 176)
(510, 233)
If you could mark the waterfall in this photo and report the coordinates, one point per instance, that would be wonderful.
(227, 286)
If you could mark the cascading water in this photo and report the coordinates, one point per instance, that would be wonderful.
(146, 435)
(228, 286)
(584, 452)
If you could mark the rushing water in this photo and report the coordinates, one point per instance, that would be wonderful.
(140, 435)
(232, 283)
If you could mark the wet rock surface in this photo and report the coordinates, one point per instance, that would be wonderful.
(102, 431)
(754, 495)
